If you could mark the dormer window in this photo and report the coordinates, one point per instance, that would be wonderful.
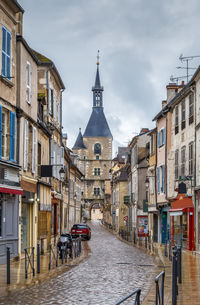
(97, 148)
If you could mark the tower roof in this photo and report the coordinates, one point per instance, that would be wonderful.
(97, 125)
(97, 86)
(79, 141)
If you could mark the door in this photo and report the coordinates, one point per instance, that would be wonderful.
(163, 227)
(25, 227)
(155, 228)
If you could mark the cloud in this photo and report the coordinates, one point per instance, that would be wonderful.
(140, 42)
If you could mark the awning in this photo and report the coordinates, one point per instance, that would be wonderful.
(180, 204)
(11, 189)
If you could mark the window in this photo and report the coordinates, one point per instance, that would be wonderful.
(96, 191)
(26, 148)
(97, 171)
(28, 82)
(39, 158)
(34, 149)
(151, 184)
(158, 180)
(50, 100)
(191, 158)
(161, 137)
(97, 157)
(162, 168)
(182, 161)
(158, 138)
(176, 119)
(191, 108)
(6, 53)
(55, 108)
(176, 164)
(153, 144)
(183, 114)
(97, 148)
(7, 134)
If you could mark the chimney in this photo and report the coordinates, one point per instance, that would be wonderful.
(64, 137)
(164, 103)
(19, 19)
(172, 90)
(144, 130)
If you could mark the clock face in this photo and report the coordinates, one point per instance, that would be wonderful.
(97, 148)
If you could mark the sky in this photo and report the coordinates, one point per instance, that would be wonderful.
(140, 42)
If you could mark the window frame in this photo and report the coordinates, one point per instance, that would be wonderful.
(96, 191)
(183, 157)
(191, 108)
(176, 119)
(5, 54)
(28, 82)
(191, 158)
(183, 114)
(176, 164)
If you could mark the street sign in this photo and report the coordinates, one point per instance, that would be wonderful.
(125, 218)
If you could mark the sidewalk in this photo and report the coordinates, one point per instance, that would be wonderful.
(189, 290)
(17, 271)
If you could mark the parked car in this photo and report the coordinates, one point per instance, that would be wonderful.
(82, 230)
(65, 243)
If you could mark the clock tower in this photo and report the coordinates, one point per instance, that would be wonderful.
(94, 149)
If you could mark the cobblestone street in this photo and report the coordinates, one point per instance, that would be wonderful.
(112, 270)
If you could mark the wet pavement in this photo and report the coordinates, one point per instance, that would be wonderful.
(112, 270)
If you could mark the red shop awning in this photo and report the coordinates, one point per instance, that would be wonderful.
(181, 203)
(11, 189)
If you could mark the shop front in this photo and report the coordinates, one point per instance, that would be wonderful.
(182, 221)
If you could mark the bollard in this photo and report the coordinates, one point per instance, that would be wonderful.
(38, 258)
(50, 257)
(166, 247)
(170, 251)
(134, 236)
(174, 277)
(26, 273)
(8, 265)
(179, 264)
(146, 242)
(33, 261)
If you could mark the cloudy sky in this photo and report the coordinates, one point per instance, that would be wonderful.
(140, 42)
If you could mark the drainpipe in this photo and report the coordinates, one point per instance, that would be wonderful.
(68, 207)
(18, 115)
(196, 231)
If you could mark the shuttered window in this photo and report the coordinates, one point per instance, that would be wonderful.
(26, 137)
(176, 164)
(6, 53)
(191, 159)
(158, 180)
(28, 82)
(34, 150)
(182, 161)
(163, 178)
(12, 137)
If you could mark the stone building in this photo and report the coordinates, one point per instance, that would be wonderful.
(27, 107)
(94, 150)
(11, 14)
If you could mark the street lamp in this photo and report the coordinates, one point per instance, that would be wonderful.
(147, 182)
(62, 174)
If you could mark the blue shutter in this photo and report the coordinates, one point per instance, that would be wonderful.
(3, 56)
(163, 139)
(158, 180)
(0, 131)
(12, 137)
(163, 178)
(159, 139)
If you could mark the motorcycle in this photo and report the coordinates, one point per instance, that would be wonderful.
(65, 245)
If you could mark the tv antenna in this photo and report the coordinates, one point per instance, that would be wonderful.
(187, 59)
(177, 78)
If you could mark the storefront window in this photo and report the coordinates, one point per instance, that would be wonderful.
(180, 228)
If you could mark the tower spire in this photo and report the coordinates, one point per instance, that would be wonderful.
(97, 89)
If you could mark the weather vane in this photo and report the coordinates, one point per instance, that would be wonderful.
(98, 57)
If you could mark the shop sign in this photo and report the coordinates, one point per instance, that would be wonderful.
(142, 226)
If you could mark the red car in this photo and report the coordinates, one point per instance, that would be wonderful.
(82, 230)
